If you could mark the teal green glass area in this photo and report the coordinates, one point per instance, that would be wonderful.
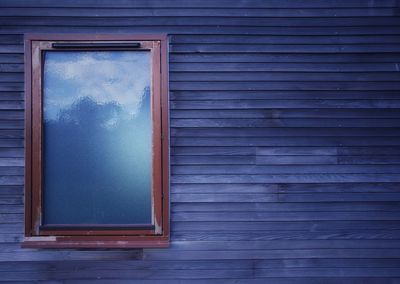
(97, 137)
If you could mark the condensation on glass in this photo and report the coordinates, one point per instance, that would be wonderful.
(97, 137)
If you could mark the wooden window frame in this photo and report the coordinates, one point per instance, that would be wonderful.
(96, 236)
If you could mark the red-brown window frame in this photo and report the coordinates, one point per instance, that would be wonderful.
(104, 236)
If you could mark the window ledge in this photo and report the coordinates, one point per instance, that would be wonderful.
(79, 242)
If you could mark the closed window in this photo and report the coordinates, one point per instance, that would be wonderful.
(96, 141)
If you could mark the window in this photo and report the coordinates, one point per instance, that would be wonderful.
(96, 170)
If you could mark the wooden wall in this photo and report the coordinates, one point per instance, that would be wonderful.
(285, 144)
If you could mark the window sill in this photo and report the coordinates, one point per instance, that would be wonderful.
(81, 242)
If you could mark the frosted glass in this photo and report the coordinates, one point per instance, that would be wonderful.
(97, 137)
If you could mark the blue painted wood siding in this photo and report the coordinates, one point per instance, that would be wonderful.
(285, 141)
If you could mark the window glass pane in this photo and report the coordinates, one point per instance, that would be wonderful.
(97, 145)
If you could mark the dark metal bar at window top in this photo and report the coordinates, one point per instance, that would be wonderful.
(96, 45)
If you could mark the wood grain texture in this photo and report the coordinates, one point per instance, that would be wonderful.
(285, 141)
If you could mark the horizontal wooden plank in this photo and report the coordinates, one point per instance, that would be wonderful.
(237, 235)
(7, 133)
(11, 67)
(206, 274)
(13, 252)
(283, 216)
(11, 162)
(11, 105)
(11, 218)
(138, 264)
(271, 113)
(187, 169)
(11, 96)
(11, 152)
(9, 170)
(11, 143)
(296, 244)
(283, 85)
(283, 141)
(10, 209)
(249, 103)
(10, 238)
(327, 95)
(204, 21)
(8, 124)
(218, 29)
(11, 190)
(286, 132)
(262, 76)
(369, 160)
(286, 160)
(335, 227)
(199, 4)
(286, 178)
(178, 151)
(277, 151)
(284, 48)
(282, 207)
(11, 58)
(12, 228)
(270, 254)
(196, 12)
(11, 39)
(193, 265)
(328, 151)
(324, 188)
(12, 115)
(391, 272)
(315, 159)
(213, 160)
(275, 107)
(10, 200)
(284, 67)
(283, 197)
(272, 40)
(274, 122)
(289, 280)
(283, 57)
(129, 274)
(225, 188)
(9, 48)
